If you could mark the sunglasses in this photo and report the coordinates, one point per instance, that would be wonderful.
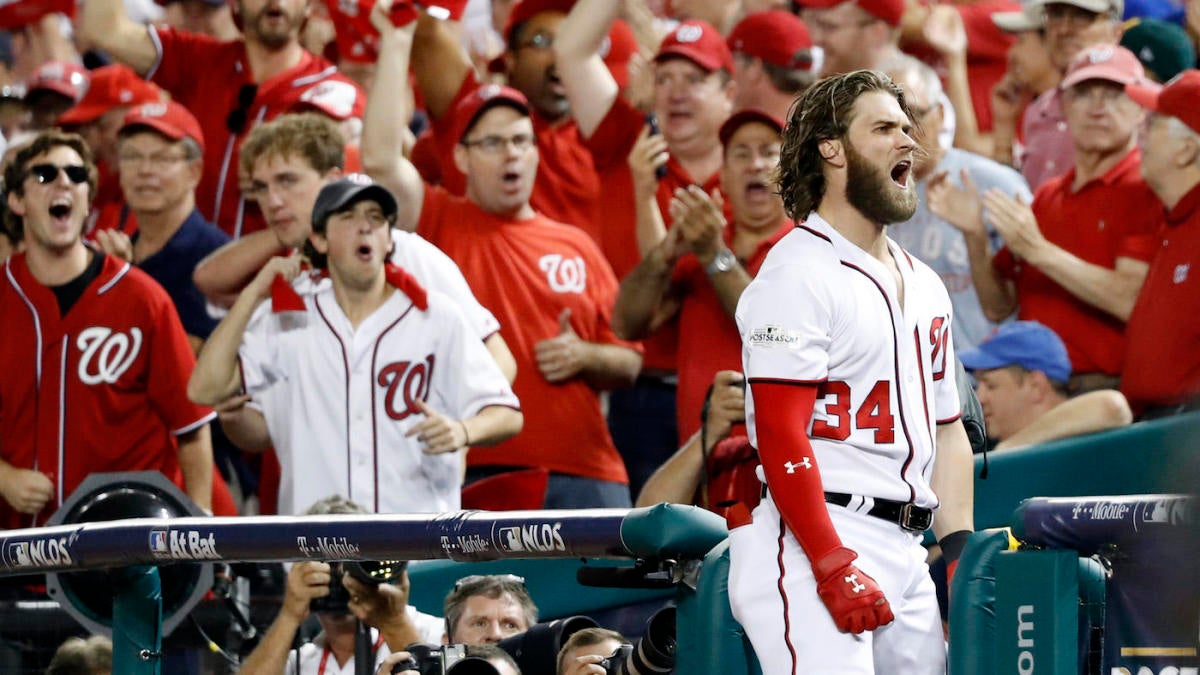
(48, 173)
(239, 116)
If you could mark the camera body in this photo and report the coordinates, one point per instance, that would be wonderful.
(615, 663)
(369, 572)
(444, 660)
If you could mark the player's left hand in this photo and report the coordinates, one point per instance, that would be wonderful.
(1017, 225)
(438, 432)
(378, 606)
(701, 218)
(561, 357)
(115, 243)
(853, 599)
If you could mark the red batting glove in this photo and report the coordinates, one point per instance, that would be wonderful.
(853, 599)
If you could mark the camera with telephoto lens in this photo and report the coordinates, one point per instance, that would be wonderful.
(369, 572)
(444, 660)
(654, 652)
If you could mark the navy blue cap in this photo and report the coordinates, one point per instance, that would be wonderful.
(347, 191)
(1028, 344)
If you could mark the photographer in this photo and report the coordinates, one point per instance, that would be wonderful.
(498, 658)
(485, 609)
(384, 607)
(590, 651)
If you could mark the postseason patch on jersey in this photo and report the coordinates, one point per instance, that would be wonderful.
(774, 336)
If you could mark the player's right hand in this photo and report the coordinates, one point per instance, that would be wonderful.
(853, 599)
(306, 580)
(26, 491)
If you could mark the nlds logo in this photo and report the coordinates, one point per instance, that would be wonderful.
(544, 538)
(183, 545)
(38, 553)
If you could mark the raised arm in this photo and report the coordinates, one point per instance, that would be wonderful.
(218, 375)
(105, 23)
(644, 301)
(440, 63)
(591, 89)
(389, 107)
(222, 274)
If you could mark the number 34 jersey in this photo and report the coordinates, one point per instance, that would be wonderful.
(339, 400)
(823, 312)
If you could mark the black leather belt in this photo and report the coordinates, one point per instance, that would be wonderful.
(905, 514)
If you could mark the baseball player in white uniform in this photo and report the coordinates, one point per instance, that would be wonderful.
(383, 384)
(852, 405)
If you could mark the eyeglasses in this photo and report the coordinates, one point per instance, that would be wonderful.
(48, 173)
(500, 578)
(497, 144)
(239, 116)
(157, 161)
(538, 41)
(1071, 15)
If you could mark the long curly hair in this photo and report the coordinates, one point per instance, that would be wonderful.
(823, 112)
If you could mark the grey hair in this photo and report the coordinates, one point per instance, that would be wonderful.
(931, 84)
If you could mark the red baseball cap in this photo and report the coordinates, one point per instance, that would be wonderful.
(17, 15)
(1104, 62)
(484, 98)
(525, 10)
(111, 86)
(889, 11)
(617, 49)
(1178, 99)
(743, 117)
(60, 77)
(698, 42)
(168, 118)
(775, 36)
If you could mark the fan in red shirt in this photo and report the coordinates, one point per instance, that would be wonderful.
(1162, 365)
(229, 86)
(546, 282)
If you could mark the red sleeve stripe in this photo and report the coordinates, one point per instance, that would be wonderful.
(951, 420)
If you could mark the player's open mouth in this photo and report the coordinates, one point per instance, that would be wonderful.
(900, 173)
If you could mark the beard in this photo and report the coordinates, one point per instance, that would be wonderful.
(274, 37)
(873, 192)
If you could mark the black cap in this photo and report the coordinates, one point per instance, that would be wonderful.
(347, 191)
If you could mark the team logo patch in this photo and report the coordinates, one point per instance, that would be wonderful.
(774, 336)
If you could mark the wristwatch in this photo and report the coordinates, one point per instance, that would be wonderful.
(724, 261)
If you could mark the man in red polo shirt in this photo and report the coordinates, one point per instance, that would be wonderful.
(546, 283)
(229, 86)
(1076, 260)
(772, 61)
(701, 267)
(1162, 364)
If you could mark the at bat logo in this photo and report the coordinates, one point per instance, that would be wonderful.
(565, 275)
(112, 351)
(407, 382)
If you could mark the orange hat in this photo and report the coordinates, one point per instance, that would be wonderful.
(888, 11)
(698, 42)
(111, 87)
(775, 36)
(168, 118)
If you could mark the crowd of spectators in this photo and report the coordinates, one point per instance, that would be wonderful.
(586, 186)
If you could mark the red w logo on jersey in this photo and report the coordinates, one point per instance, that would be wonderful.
(410, 381)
